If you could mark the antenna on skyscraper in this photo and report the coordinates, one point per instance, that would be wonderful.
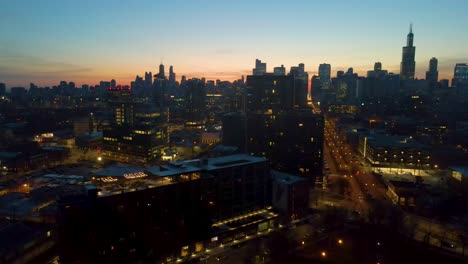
(411, 27)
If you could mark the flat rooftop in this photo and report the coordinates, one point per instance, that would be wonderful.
(393, 141)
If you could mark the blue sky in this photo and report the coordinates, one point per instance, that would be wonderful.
(87, 41)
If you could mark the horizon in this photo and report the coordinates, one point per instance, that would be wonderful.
(47, 42)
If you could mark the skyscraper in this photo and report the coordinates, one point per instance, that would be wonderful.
(324, 75)
(460, 75)
(432, 75)
(148, 80)
(260, 67)
(301, 81)
(171, 74)
(161, 72)
(408, 64)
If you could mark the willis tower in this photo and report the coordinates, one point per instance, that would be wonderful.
(407, 63)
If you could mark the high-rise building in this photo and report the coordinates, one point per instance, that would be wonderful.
(137, 132)
(161, 72)
(432, 75)
(316, 88)
(172, 75)
(279, 70)
(260, 67)
(377, 66)
(460, 77)
(2, 89)
(301, 84)
(148, 80)
(113, 84)
(408, 65)
(325, 75)
(268, 91)
(195, 100)
(377, 72)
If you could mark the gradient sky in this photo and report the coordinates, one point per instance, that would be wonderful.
(45, 41)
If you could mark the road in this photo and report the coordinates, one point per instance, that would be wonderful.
(344, 160)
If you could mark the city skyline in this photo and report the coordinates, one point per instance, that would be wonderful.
(109, 40)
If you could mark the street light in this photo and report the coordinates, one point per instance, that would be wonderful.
(324, 254)
(99, 158)
(340, 241)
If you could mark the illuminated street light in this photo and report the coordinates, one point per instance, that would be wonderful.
(99, 158)
(340, 241)
(324, 254)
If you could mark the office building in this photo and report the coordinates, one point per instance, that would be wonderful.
(291, 140)
(260, 67)
(325, 75)
(460, 76)
(268, 91)
(195, 100)
(172, 75)
(279, 70)
(137, 133)
(166, 212)
(408, 64)
(301, 83)
(161, 75)
(396, 152)
(432, 75)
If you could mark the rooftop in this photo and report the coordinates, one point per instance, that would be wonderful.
(462, 169)
(119, 170)
(393, 141)
(286, 178)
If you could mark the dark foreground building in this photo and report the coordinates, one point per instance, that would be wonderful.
(166, 212)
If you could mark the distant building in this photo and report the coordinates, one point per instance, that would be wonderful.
(316, 88)
(408, 64)
(377, 72)
(2, 89)
(195, 100)
(279, 70)
(161, 74)
(460, 77)
(172, 75)
(260, 67)
(432, 75)
(301, 84)
(325, 75)
(137, 132)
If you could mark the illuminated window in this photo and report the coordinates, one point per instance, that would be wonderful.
(311, 139)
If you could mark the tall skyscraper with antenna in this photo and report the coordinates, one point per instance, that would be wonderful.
(408, 64)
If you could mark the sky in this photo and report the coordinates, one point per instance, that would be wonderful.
(87, 41)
